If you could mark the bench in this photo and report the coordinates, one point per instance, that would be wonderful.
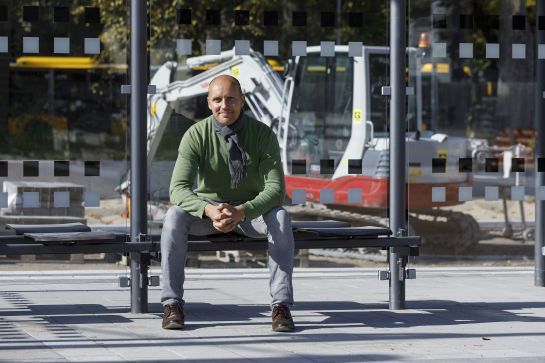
(79, 238)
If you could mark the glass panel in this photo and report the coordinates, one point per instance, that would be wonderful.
(304, 73)
(473, 164)
(63, 120)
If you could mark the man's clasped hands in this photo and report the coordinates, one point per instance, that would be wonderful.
(224, 216)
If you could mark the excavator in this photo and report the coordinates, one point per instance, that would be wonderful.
(330, 115)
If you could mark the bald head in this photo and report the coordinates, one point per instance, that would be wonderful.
(225, 99)
(228, 79)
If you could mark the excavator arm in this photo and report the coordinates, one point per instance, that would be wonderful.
(262, 87)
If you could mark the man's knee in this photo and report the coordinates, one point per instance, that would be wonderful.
(277, 213)
(277, 218)
(176, 215)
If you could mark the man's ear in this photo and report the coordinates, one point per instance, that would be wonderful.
(208, 103)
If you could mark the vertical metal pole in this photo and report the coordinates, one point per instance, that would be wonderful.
(397, 148)
(138, 69)
(539, 269)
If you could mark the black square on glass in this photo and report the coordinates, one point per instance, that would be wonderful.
(327, 19)
(299, 18)
(439, 21)
(298, 166)
(355, 20)
(3, 13)
(61, 14)
(465, 165)
(491, 165)
(61, 168)
(31, 168)
(92, 168)
(3, 168)
(541, 22)
(519, 22)
(489, 21)
(92, 15)
(438, 165)
(354, 166)
(270, 18)
(327, 166)
(213, 17)
(541, 165)
(242, 17)
(31, 13)
(183, 16)
(466, 21)
(517, 165)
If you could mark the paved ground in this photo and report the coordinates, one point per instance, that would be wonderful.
(457, 314)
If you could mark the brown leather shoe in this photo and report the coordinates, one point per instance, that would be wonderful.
(281, 319)
(173, 317)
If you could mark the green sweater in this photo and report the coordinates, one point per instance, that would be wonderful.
(202, 151)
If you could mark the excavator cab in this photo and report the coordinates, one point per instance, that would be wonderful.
(321, 109)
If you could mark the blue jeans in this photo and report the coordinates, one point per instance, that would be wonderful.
(275, 225)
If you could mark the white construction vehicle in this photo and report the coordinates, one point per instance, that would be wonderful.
(331, 118)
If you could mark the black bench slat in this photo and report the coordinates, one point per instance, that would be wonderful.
(329, 223)
(88, 237)
(350, 231)
(48, 228)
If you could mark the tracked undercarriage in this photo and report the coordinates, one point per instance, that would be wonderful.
(442, 232)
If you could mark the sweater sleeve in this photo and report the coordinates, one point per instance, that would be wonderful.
(183, 176)
(270, 169)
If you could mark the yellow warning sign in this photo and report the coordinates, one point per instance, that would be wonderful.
(236, 71)
(356, 116)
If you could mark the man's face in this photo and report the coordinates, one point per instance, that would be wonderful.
(225, 101)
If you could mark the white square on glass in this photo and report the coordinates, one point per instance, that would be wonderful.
(31, 200)
(518, 51)
(3, 199)
(299, 48)
(91, 46)
(31, 45)
(183, 46)
(492, 50)
(466, 50)
(298, 196)
(517, 193)
(92, 199)
(540, 193)
(355, 195)
(541, 51)
(465, 194)
(61, 45)
(355, 49)
(270, 48)
(438, 194)
(491, 193)
(213, 46)
(327, 196)
(3, 44)
(61, 199)
(439, 50)
(242, 47)
(327, 49)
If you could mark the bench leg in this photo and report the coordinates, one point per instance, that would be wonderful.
(397, 264)
(139, 282)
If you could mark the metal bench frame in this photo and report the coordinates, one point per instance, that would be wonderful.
(148, 248)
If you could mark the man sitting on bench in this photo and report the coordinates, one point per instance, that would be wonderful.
(241, 188)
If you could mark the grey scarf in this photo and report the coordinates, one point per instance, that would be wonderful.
(235, 152)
